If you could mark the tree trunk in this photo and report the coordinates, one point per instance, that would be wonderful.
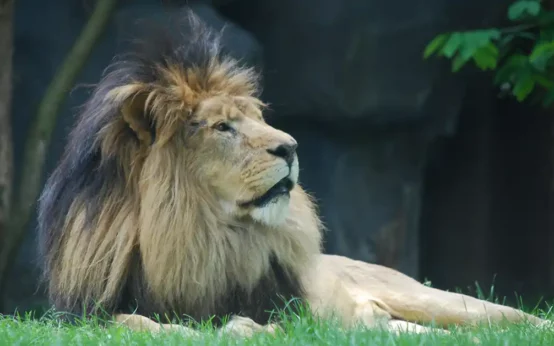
(6, 154)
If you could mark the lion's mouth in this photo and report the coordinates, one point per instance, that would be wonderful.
(283, 187)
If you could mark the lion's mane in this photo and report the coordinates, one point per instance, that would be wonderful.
(124, 225)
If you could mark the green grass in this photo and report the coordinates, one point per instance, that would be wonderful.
(297, 331)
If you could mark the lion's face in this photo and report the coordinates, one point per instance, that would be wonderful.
(251, 166)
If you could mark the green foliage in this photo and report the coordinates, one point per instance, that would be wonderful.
(522, 8)
(522, 56)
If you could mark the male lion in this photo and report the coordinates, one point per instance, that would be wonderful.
(174, 198)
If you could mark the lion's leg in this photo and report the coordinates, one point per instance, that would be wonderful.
(354, 307)
(448, 308)
(246, 327)
(407, 299)
(328, 297)
(142, 323)
(238, 326)
(415, 302)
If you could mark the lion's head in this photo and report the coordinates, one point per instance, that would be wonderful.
(209, 113)
(172, 173)
(251, 166)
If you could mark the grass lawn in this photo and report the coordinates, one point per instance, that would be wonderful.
(27, 331)
(305, 330)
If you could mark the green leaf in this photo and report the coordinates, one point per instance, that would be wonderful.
(435, 44)
(540, 55)
(543, 80)
(513, 65)
(473, 40)
(458, 62)
(462, 45)
(523, 86)
(486, 57)
(477, 44)
(452, 45)
(481, 37)
(520, 9)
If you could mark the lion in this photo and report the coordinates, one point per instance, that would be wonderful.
(174, 198)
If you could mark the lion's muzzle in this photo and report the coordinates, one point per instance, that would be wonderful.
(282, 188)
(285, 151)
(271, 175)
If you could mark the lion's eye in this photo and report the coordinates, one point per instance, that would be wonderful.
(223, 127)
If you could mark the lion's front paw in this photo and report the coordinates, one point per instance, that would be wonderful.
(179, 329)
(272, 328)
(246, 327)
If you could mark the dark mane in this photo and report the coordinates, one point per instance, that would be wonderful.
(87, 175)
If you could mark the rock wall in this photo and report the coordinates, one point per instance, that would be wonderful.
(347, 78)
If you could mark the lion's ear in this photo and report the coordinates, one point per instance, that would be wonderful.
(130, 99)
(136, 116)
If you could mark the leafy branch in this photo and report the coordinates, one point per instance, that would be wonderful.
(521, 55)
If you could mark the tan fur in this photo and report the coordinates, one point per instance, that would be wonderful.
(180, 207)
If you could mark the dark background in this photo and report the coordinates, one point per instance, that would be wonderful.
(413, 167)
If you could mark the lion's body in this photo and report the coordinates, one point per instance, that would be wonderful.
(174, 198)
(121, 229)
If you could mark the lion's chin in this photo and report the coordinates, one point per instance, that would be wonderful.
(273, 213)
(272, 207)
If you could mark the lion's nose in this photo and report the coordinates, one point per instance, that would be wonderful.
(285, 151)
